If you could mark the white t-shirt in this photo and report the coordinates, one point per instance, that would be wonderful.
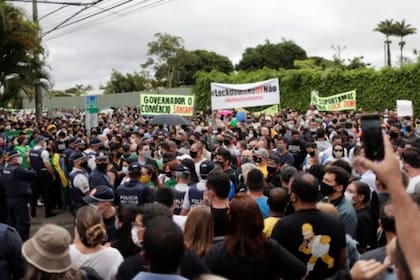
(105, 262)
(412, 184)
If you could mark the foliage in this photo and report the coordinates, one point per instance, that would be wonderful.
(376, 90)
(120, 82)
(19, 70)
(386, 27)
(162, 54)
(401, 29)
(274, 56)
(78, 89)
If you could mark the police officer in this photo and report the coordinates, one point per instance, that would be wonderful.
(18, 191)
(182, 177)
(12, 264)
(40, 163)
(99, 176)
(133, 192)
(78, 180)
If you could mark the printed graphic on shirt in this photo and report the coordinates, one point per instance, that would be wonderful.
(317, 246)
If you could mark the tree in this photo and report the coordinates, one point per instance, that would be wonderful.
(162, 54)
(274, 56)
(120, 82)
(386, 27)
(401, 29)
(190, 62)
(19, 71)
(78, 89)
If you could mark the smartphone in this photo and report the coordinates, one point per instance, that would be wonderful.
(372, 138)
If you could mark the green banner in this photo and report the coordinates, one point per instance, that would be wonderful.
(158, 104)
(338, 102)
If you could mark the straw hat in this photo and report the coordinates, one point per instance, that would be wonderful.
(48, 249)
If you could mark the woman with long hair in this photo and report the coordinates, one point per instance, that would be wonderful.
(246, 253)
(199, 230)
(87, 249)
(125, 218)
(149, 176)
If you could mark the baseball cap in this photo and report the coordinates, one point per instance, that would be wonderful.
(40, 138)
(181, 170)
(228, 134)
(261, 152)
(101, 155)
(78, 156)
(13, 154)
(100, 193)
(95, 141)
(134, 167)
(206, 167)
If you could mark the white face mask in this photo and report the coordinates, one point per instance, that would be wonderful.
(19, 160)
(125, 170)
(349, 196)
(135, 237)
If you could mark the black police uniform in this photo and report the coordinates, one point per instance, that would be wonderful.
(76, 195)
(98, 178)
(43, 183)
(18, 191)
(133, 192)
(195, 196)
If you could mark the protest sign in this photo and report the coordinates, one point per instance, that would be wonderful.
(404, 108)
(230, 96)
(338, 102)
(158, 104)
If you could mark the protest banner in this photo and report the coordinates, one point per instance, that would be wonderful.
(230, 96)
(158, 104)
(338, 102)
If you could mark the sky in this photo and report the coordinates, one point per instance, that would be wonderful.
(86, 52)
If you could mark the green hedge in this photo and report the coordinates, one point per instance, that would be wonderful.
(376, 89)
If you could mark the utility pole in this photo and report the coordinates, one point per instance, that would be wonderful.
(338, 49)
(37, 86)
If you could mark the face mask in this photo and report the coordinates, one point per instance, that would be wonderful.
(178, 142)
(226, 142)
(245, 160)
(168, 174)
(19, 160)
(290, 126)
(146, 154)
(257, 159)
(271, 169)
(393, 134)
(349, 195)
(135, 238)
(338, 154)
(191, 141)
(326, 189)
(144, 179)
(125, 170)
(101, 167)
(193, 154)
(84, 165)
(312, 154)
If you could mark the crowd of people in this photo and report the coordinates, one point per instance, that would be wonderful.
(288, 196)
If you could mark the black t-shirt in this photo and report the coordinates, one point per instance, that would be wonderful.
(277, 263)
(219, 219)
(315, 237)
(191, 266)
(367, 226)
(111, 231)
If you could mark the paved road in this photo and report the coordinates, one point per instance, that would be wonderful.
(64, 219)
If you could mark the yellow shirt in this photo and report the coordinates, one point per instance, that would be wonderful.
(269, 224)
(263, 169)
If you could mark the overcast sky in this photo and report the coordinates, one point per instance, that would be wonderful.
(117, 40)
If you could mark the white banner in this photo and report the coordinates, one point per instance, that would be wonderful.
(231, 96)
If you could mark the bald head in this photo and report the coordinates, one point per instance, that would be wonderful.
(277, 200)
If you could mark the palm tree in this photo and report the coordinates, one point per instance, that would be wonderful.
(402, 29)
(386, 28)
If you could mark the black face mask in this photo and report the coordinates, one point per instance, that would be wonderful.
(245, 160)
(271, 169)
(168, 174)
(221, 163)
(178, 142)
(84, 165)
(193, 154)
(393, 134)
(226, 142)
(326, 189)
(257, 159)
(312, 154)
(101, 167)
(191, 141)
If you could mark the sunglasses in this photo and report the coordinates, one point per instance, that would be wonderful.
(338, 150)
